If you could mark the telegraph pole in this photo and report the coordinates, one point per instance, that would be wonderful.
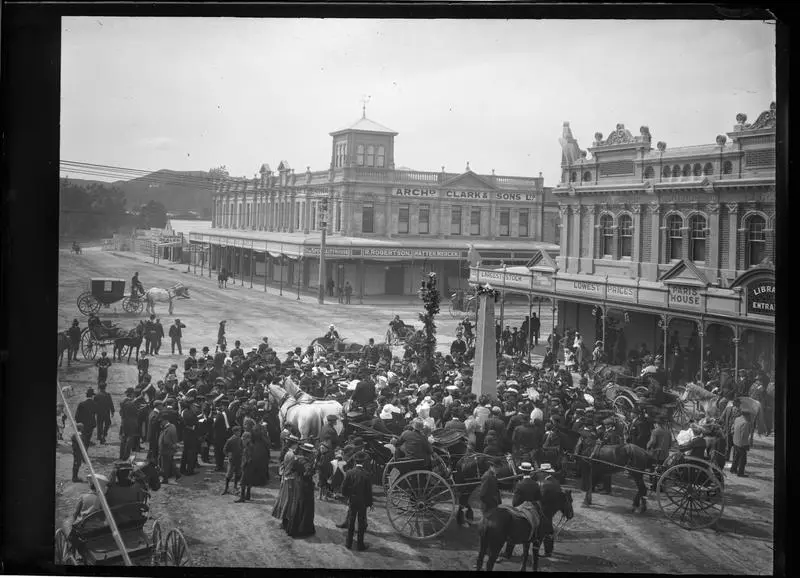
(323, 216)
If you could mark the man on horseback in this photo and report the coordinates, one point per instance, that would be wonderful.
(137, 289)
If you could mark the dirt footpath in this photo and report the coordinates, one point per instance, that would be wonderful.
(606, 537)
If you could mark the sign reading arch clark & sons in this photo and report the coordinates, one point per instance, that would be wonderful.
(761, 297)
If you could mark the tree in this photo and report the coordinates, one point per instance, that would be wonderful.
(429, 293)
(152, 215)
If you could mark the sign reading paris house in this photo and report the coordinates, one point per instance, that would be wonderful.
(761, 298)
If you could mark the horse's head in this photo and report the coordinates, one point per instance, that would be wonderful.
(148, 476)
(566, 504)
(182, 292)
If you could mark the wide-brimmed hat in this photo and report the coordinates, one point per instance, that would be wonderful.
(546, 468)
(525, 467)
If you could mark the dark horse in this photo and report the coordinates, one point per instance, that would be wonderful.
(64, 344)
(468, 471)
(609, 459)
(222, 277)
(131, 340)
(507, 525)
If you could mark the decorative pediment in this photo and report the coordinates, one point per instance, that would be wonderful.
(468, 180)
(284, 166)
(765, 120)
(542, 261)
(620, 135)
(265, 170)
(685, 273)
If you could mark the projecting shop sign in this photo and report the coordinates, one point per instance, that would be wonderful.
(761, 298)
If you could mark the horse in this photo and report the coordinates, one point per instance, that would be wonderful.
(612, 459)
(157, 295)
(710, 402)
(64, 344)
(306, 417)
(470, 468)
(222, 278)
(131, 340)
(529, 523)
(147, 476)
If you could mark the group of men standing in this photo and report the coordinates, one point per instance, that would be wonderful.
(515, 341)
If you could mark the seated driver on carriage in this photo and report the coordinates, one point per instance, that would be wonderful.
(414, 445)
(332, 334)
(398, 326)
(101, 330)
(123, 490)
(657, 379)
(136, 286)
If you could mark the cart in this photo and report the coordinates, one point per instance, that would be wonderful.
(92, 543)
(92, 341)
(106, 291)
(399, 337)
(627, 400)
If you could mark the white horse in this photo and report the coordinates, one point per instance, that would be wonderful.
(157, 295)
(308, 416)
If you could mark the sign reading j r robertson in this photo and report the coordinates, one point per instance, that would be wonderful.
(471, 195)
(415, 253)
(761, 298)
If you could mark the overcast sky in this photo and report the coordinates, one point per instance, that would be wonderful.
(191, 93)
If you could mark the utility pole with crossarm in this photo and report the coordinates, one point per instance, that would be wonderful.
(323, 223)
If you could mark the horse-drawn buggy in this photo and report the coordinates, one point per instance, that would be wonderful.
(399, 333)
(103, 292)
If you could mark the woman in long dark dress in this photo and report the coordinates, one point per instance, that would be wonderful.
(260, 465)
(300, 514)
(289, 481)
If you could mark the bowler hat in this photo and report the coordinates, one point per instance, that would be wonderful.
(361, 457)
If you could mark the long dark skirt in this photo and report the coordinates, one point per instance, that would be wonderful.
(260, 464)
(290, 489)
(300, 512)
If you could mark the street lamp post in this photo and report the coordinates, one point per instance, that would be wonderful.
(321, 275)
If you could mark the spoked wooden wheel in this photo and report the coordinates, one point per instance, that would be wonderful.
(156, 545)
(691, 496)
(89, 346)
(421, 505)
(680, 415)
(624, 405)
(62, 548)
(87, 303)
(177, 552)
(387, 479)
(132, 305)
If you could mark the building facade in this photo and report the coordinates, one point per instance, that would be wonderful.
(385, 226)
(666, 245)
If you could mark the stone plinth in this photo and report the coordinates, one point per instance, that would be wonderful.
(484, 377)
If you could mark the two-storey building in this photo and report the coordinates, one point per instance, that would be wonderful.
(665, 245)
(386, 226)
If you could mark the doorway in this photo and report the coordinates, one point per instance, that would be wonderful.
(395, 280)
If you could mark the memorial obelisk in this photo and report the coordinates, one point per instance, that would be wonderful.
(484, 376)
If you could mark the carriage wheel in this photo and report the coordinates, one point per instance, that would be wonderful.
(680, 415)
(156, 545)
(87, 303)
(691, 496)
(624, 405)
(62, 548)
(386, 479)
(175, 548)
(421, 505)
(88, 345)
(132, 305)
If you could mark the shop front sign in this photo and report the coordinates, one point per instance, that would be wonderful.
(684, 296)
(585, 287)
(621, 293)
(761, 298)
(402, 253)
(329, 251)
(416, 192)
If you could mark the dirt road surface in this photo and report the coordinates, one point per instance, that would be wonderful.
(606, 537)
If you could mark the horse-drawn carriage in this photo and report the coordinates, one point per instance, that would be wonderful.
(399, 334)
(105, 292)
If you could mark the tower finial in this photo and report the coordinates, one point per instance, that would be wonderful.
(364, 100)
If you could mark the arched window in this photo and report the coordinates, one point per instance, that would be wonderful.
(697, 238)
(697, 170)
(649, 173)
(674, 237)
(360, 155)
(667, 172)
(687, 170)
(756, 240)
(727, 167)
(625, 236)
(676, 171)
(606, 235)
(370, 156)
(573, 177)
(708, 169)
(380, 161)
(587, 176)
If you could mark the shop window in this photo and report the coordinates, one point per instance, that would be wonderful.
(367, 218)
(424, 219)
(402, 219)
(697, 227)
(697, 170)
(360, 155)
(708, 169)
(455, 221)
(523, 223)
(381, 157)
(475, 222)
(606, 235)
(666, 173)
(573, 177)
(505, 222)
(625, 236)
(370, 156)
(676, 171)
(727, 167)
(587, 176)
(649, 173)
(756, 240)
(687, 170)
(674, 237)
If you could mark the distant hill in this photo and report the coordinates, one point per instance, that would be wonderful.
(178, 191)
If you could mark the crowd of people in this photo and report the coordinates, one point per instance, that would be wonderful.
(221, 401)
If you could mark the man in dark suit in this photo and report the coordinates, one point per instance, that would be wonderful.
(489, 492)
(86, 414)
(527, 489)
(129, 428)
(357, 488)
(175, 335)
